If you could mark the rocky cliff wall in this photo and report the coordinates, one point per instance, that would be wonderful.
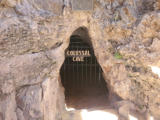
(34, 34)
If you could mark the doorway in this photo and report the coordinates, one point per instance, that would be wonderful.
(82, 76)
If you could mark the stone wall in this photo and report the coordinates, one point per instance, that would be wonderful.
(34, 34)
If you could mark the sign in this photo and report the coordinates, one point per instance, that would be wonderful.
(82, 4)
(78, 55)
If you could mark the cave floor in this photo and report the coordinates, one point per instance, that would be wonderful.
(85, 98)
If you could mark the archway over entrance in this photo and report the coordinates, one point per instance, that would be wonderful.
(81, 74)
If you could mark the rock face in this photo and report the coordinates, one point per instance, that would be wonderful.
(35, 33)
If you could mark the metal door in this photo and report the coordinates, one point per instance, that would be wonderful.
(84, 72)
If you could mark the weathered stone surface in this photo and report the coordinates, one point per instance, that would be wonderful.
(29, 101)
(37, 8)
(8, 3)
(35, 33)
(49, 87)
(8, 107)
(23, 70)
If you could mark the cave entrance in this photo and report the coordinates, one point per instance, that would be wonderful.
(81, 76)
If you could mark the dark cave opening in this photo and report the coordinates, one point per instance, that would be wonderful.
(81, 76)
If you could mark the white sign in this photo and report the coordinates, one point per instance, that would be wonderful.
(78, 55)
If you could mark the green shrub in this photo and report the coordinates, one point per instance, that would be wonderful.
(117, 55)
